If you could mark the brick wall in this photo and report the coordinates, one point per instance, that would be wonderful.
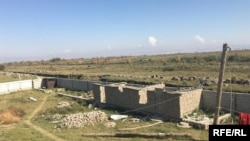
(152, 99)
(190, 101)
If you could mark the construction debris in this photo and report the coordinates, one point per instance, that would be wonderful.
(183, 125)
(202, 121)
(118, 117)
(110, 124)
(199, 121)
(135, 119)
(45, 90)
(79, 120)
(32, 98)
(60, 89)
(63, 104)
(57, 116)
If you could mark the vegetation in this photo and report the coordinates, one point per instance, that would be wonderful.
(146, 69)
(21, 130)
(7, 77)
(2, 67)
(55, 59)
(133, 69)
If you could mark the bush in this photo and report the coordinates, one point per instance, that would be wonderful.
(168, 69)
(2, 67)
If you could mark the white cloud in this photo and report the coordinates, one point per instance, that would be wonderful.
(109, 47)
(152, 40)
(199, 39)
(67, 51)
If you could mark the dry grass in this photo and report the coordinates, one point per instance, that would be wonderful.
(20, 128)
(11, 115)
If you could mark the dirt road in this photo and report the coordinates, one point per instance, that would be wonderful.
(38, 129)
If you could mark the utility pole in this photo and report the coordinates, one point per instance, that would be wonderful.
(220, 83)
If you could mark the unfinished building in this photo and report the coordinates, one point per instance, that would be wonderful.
(166, 102)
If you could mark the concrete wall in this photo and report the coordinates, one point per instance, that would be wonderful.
(15, 86)
(37, 83)
(78, 85)
(150, 99)
(72, 84)
(236, 102)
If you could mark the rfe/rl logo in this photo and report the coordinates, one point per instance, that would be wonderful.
(232, 132)
(228, 132)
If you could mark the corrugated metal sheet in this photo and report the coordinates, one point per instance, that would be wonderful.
(50, 82)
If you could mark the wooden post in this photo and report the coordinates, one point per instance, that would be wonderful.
(220, 84)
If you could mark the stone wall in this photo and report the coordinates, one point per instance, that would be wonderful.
(189, 101)
(167, 105)
(124, 97)
(148, 99)
(97, 94)
(153, 99)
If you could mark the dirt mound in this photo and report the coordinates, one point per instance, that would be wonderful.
(11, 115)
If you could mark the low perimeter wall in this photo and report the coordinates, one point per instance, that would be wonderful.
(72, 84)
(9, 87)
(235, 102)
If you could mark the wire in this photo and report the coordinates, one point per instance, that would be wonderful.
(229, 70)
(231, 92)
(231, 110)
(146, 107)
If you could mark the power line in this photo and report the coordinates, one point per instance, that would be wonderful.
(146, 107)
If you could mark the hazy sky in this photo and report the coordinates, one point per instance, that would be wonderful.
(44, 29)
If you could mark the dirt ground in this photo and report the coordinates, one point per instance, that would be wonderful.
(13, 115)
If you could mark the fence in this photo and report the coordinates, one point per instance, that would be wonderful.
(72, 84)
(234, 102)
(9, 87)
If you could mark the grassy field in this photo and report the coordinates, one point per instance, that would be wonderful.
(34, 126)
(133, 69)
(146, 69)
(8, 77)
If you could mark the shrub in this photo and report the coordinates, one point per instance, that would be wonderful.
(2, 67)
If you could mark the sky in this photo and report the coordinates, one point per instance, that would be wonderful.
(43, 29)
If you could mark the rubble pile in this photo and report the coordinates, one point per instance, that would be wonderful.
(110, 124)
(79, 120)
(57, 116)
